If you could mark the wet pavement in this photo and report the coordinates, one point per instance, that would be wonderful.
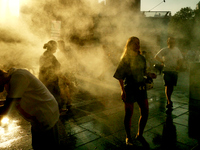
(95, 121)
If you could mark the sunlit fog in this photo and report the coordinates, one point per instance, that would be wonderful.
(9, 8)
(95, 32)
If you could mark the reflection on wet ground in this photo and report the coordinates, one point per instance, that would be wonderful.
(96, 121)
(15, 134)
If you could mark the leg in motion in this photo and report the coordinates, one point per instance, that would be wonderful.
(168, 92)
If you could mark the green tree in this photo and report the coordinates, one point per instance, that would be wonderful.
(181, 25)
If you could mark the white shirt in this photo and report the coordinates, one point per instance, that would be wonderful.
(170, 58)
(36, 100)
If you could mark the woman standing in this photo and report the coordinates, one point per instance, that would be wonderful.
(49, 70)
(130, 73)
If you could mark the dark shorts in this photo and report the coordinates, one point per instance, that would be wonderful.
(170, 78)
(135, 94)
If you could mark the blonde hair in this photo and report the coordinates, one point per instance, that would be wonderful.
(2, 72)
(132, 44)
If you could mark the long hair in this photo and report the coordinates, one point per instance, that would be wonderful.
(132, 44)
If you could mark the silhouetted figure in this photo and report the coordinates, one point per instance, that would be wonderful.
(35, 103)
(49, 70)
(171, 59)
(130, 73)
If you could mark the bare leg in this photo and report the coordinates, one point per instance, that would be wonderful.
(168, 93)
(127, 118)
(144, 112)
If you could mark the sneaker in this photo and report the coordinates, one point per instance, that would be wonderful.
(129, 142)
(142, 140)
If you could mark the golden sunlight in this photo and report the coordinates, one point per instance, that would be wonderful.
(9, 8)
(14, 7)
(102, 1)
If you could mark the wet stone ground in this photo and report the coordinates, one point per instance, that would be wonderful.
(95, 121)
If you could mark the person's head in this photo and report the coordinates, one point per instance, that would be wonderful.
(171, 42)
(51, 46)
(3, 79)
(61, 45)
(132, 46)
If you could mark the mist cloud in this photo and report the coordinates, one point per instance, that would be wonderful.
(96, 33)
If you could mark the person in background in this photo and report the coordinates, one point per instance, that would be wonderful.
(130, 73)
(67, 59)
(35, 103)
(49, 70)
(171, 58)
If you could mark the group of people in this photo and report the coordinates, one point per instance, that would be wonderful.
(39, 101)
(130, 73)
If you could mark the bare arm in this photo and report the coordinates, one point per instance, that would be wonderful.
(158, 59)
(7, 105)
(123, 93)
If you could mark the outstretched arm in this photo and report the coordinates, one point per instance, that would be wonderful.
(7, 106)
(158, 59)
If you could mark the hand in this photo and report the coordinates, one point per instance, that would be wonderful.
(123, 96)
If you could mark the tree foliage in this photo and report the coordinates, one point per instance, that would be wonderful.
(181, 25)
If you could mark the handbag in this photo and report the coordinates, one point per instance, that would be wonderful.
(149, 82)
(158, 67)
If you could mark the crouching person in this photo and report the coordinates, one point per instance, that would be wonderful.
(35, 103)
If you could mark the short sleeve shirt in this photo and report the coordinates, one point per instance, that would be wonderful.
(36, 100)
(170, 58)
(132, 73)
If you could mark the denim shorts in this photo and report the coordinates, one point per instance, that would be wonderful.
(170, 78)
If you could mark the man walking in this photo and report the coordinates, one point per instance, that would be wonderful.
(171, 59)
